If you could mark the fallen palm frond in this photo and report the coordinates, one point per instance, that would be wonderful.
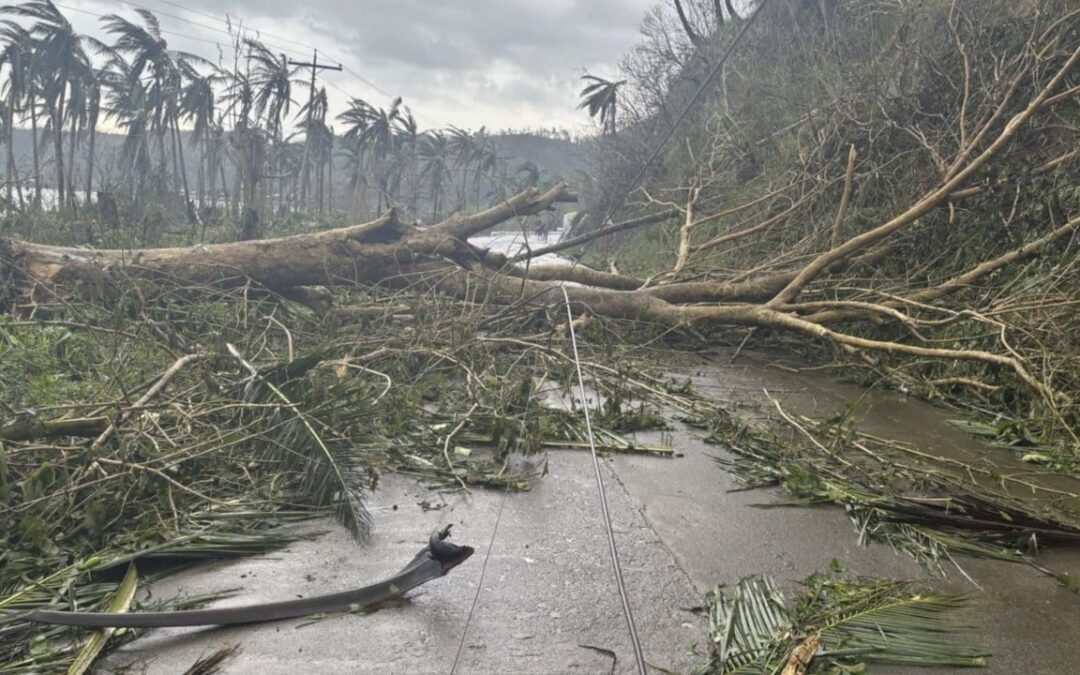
(836, 625)
(925, 505)
(121, 601)
(176, 424)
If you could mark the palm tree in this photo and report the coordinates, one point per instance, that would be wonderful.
(314, 128)
(434, 151)
(93, 87)
(58, 52)
(408, 137)
(374, 129)
(78, 109)
(125, 96)
(601, 98)
(353, 152)
(322, 154)
(464, 148)
(164, 70)
(239, 99)
(197, 106)
(273, 80)
(486, 160)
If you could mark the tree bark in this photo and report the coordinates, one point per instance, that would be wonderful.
(367, 253)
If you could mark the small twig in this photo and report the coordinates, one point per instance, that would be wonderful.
(158, 387)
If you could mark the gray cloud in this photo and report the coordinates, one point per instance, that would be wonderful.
(503, 63)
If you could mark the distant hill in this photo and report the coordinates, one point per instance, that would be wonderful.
(557, 156)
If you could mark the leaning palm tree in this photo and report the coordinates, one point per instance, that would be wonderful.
(600, 97)
(273, 81)
(164, 71)
(374, 128)
(58, 52)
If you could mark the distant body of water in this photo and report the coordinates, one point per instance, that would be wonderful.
(512, 243)
(49, 196)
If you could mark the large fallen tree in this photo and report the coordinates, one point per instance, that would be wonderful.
(389, 251)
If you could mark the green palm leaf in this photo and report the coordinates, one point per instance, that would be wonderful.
(856, 621)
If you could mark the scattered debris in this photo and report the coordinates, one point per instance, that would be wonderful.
(926, 505)
(210, 665)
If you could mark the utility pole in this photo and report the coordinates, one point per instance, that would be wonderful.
(315, 68)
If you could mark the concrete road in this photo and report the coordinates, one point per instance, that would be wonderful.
(548, 590)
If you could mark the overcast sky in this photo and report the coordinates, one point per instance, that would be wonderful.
(499, 63)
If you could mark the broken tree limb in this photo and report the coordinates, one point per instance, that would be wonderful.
(929, 201)
(608, 230)
(756, 289)
(961, 281)
(647, 219)
(29, 428)
(841, 212)
(156, 389)
(483, 285)
(524, 203)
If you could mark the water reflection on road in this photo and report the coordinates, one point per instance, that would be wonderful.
(512, 243)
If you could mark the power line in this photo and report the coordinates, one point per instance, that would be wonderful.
(165, 32)
(225, 31)
(235, 48)
(261, 32)
(228, 22)
(217, 43)
(635, 642)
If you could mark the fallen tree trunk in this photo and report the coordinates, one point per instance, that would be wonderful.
(388, 251)
(368, 253)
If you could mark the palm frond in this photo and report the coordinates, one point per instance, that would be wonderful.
(318, 435)
(750, 628)
(886, 621)
(847, 622)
